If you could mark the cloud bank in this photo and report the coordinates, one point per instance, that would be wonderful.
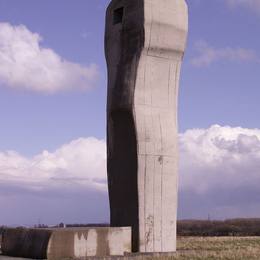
(26, 65)
(219, 175)
(206, 55)
(78, 164)
(219, 157)
(219, 171)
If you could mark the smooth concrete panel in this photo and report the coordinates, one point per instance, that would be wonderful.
(144, 50)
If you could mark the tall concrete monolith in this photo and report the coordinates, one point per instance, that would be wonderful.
(144, 45)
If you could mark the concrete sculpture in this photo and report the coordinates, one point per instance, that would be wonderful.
(144, 44)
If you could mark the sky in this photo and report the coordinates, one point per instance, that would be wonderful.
(53, 112)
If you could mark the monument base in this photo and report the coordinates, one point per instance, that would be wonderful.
(66, 243)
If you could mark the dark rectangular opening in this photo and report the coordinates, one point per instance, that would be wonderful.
(118, 15)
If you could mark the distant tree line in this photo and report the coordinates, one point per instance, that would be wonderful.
(88, 225)
(229, 227)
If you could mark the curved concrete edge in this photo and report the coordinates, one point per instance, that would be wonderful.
(66, 243)
(26, 243)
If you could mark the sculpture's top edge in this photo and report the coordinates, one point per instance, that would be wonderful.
(151, 1)
(162, 25)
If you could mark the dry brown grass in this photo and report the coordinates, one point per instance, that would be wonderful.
(197, 248)
(228, 248)
(218, 248)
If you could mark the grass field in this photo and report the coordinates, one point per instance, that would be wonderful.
(218, 248)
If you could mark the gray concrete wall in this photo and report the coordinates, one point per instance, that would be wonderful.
(66, 243)
(84, 242)
(144, 51)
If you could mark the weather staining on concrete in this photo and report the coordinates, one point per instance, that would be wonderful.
(66, 243)
(144, 44)
(85, 245)
(89, 242)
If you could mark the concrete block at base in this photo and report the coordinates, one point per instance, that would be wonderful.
(67, 242)
(20, 242)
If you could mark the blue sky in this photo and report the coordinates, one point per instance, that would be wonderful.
(53, 100)
(75, 32)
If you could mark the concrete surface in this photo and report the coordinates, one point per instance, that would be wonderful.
(66, 242)
(144, 45)
(21, 242)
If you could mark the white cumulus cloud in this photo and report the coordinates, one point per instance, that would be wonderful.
(216, 155)
(26, 65)
(207, 54)
(80, 163)
(219, 175)
(220, 170)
